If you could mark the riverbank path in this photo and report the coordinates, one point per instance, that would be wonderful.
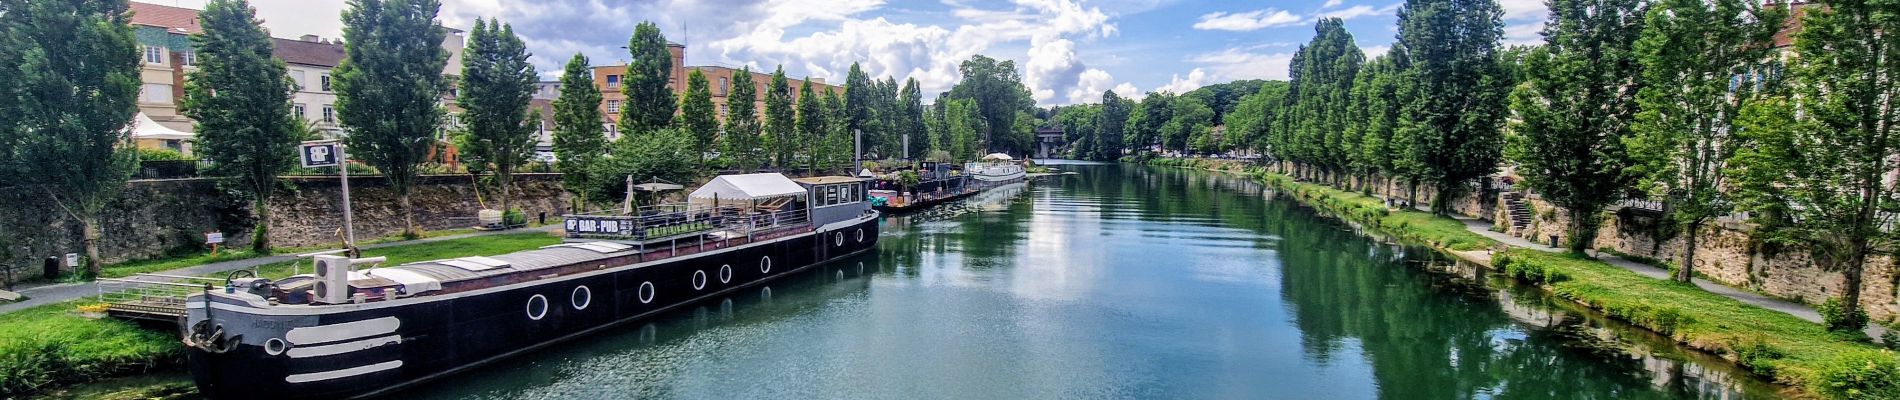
(59, 292)
(1798, 310)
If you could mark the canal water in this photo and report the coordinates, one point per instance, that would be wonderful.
(1121, 282)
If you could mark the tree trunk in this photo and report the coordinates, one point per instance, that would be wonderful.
(1686, 271)
(504, 177)
(1850, 293)
(90, 225)
(408, 217)
(260, 230)
(1582, 232)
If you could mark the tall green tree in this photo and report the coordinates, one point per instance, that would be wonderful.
(781, 126)
(1253, 118)
(1692, 53)
(1575, 110)
(741, 141)
(1814, 163)
(497, 84)
(240, 97)
(388, 89)
(697, 116)
(1112, 125)
(997, 90)
(1321, 76)
(1378, 98)
(811, 124)
(836, 143)
(1191, 117)
(860, 101)
(650, 103)
(1144, 124)
(73, 79)
(578, 140)
(964, 127)
(912, 127)
(663, 154)
(1450, 129)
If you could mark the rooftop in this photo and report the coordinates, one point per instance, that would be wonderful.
(175, 19)
(304, 52)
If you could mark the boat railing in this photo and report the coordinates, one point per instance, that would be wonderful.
(655, 223)
(151, 296)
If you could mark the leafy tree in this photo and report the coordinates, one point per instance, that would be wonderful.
(964, 125)
(998, 92)
(388, 87)
(1144, 124)
(938, 128)
(578, 141)
(911, 122)
(1815, 163)
(245, 130)
(650, 104)
(1322, 73)
(1112, 125)
(1190, 116)
(1378, 98)
(741, 141)
(1252, 119)
(860, 100)
(836, 143)
(1575, 109)
(697, 116)
(1080, 124)
(1449, 127)
(665, 154)
(72, 81)
(1691, 52)
(811, 126)
(780, 121)
(497, 84)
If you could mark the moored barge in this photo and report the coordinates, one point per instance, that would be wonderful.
(345, 332)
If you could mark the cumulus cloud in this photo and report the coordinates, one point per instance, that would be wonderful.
(1178, 85)
(1243, 63)
(1248, 21)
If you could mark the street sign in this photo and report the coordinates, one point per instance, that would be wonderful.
(72, 260)
(321, 154)
(214, 238)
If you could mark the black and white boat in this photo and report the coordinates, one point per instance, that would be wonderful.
(996, 170)
(346, 332)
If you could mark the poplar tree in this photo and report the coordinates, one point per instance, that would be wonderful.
(1322, 74)
(811, 126)
(1575, 110)
(860, 102)
(497, 85)
(963, 125)
(240, 97)
(1815, 162)
(911, 123)
(837, 139)
(697, 116)
(72, 82)
(1450, 130)
(578, 140)
(1378, 99)
(1692, 52)
(781, 126)
(388, 88)
(650, 103)
(741, 141)
(1111, 125)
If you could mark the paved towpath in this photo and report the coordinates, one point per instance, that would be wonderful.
(1798, 310)
(54, 293)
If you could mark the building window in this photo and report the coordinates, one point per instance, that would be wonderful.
(326, 82)
(329, 114)
(723, 86)
(155, 93)
(299, 78)
(722, 111)
(613, 81)
(189, 57)
(154, 55)
(300, 114)
(613, 106)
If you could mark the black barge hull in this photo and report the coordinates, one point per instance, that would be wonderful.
(376, 351)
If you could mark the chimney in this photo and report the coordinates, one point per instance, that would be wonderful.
(310, 38)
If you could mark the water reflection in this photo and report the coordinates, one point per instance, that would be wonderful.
(1123, 283)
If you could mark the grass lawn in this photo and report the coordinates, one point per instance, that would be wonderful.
(49, 346)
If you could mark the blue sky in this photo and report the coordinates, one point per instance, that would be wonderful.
(1068, 50)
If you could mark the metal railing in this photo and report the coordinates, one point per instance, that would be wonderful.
(670, 221)
(152, 295)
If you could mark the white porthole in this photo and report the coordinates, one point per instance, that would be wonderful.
(860, 235)
(275, 346)
(699, 280)
(646, 292)
(581, 298)
(765, 264)
(537, 307)
(725, 273)
(839, 237)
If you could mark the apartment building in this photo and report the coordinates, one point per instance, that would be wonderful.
(608, 78)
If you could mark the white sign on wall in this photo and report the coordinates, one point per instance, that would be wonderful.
(214, 238)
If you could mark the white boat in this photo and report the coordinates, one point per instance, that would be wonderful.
(995, 170)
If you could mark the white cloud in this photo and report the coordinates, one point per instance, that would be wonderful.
(1333, 3)
(1243, 63)
(1178, 85)
(1248, 21)
(1359, 11)
(1375, 51)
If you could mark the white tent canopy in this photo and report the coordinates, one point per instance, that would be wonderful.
(143, 127)
(748, 187)
(998, 157)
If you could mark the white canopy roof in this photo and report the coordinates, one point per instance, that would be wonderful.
(143, 127)
(749, 187)
(999, 157)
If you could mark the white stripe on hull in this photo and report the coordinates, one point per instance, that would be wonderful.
(343, 373)
(340, 348)
(343, 331)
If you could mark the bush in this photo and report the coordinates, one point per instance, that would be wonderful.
(1758, 356)
(146, 154)
(1835, 316)
(1861, 375)
(513, 217)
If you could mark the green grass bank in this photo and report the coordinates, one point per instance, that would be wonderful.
(1773, 344)
(53, 346)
